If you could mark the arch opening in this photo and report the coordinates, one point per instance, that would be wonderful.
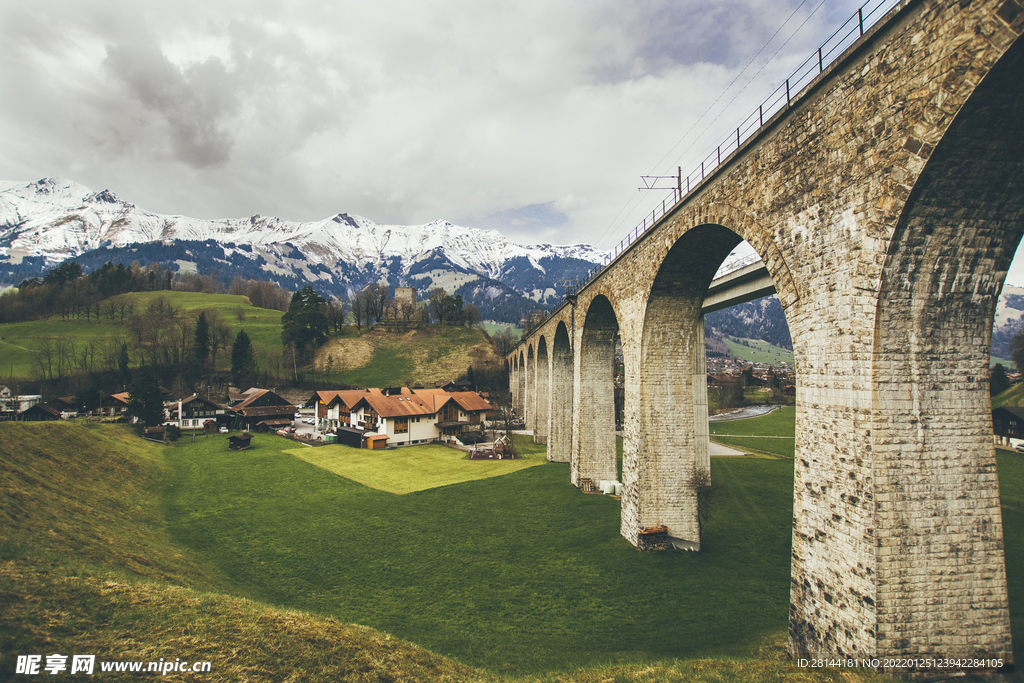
(594, 451)
(669, 458)
(542, 426)
(560, 435)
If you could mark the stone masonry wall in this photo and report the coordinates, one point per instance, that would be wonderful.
(885, 205)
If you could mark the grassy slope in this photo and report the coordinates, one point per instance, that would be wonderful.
(371, 358)
(1012, 397)
(379, 359)
(262, 325)
(87, 567)
(507, 567)
(759, 351)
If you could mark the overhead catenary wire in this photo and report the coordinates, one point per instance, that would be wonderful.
(635, 198)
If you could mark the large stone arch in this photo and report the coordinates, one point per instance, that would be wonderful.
(560, 438)
(593, 447)
(926, 485)
(542, 427)
(658, 469)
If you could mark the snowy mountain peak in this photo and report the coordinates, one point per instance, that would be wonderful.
(56, 219)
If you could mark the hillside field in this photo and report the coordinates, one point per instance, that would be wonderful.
(17, 339)
(358, 357)
(377, 358)
(757, 351)
(261, 564)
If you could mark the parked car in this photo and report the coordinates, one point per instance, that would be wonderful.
(1019, 447)
(286, 430)
(310, 420)
(223, 429)
(298, 415)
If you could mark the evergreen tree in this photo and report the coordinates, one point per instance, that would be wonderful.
(998, 381)
(122, 364)
(201, 348)
(145, 400)
(243, 361)
(305, 323)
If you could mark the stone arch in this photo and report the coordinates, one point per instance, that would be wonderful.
(927, 485)
(659, 469)
(543, 424)
(593, 448)
(530, 390)
(560, 436)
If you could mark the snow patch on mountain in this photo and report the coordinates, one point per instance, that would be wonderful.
(57, 219)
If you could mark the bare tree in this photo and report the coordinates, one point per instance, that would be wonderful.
(336, 314)
(376, 296)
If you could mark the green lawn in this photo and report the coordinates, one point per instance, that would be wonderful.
(107, 543)
(408, 469)
(772, 433)
(519, 573)
(758, 351)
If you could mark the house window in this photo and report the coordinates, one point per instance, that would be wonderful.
(401, 425)
(449, 413)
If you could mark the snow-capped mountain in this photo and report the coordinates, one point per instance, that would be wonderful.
(45, 222)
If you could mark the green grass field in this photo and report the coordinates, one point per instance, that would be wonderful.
(17, 339)
(772, 433)
(757, 351)
(137, 551)
(518, 574)
(411, 468)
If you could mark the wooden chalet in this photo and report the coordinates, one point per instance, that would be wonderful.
(239, 442)
(192, 412)
(38, 413)
(260, 409)
(1008, 423)
(461, 411)
(64, 404)
(112, 405)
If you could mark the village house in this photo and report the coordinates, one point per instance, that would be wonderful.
(1007, 423)
(192, 412)
(39, 412)
(333, 409)
(65, 405)
(259, 409)
(112, 405)
(405, 416)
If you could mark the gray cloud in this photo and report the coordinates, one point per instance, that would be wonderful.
(193, 101)
(534, 118)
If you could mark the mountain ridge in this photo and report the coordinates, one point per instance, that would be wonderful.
(45, 222)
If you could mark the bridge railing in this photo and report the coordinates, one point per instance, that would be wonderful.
(781, 98)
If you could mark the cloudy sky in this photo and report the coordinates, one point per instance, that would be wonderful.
(534, 117)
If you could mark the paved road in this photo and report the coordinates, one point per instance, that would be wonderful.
(741, 413)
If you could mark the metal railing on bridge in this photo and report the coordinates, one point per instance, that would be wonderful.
(780, 99)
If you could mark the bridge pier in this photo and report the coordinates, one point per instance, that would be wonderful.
(593, 447)
(543, 424)
(530, 391)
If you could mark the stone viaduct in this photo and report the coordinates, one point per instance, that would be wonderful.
(886, 204)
